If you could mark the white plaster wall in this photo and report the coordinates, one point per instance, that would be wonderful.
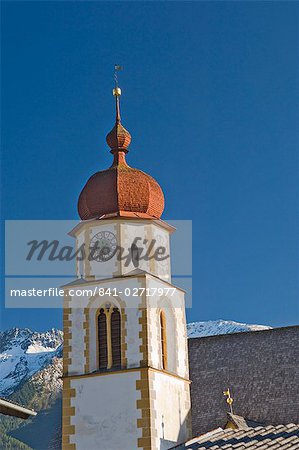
(154, 338)
(149, 231)
(106, 412)
(183, 360)
(175, 298)
(133, 340)
(176, 336)
(162, 269)
(171, 404)
(77, 342)
(129, 232)
(80, 262)
(76, 317)
(133, 327)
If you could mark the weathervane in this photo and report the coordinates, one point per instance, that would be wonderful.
(116, 90)
(229, 399)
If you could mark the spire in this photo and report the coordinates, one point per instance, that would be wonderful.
(117, 93)
(119, 138)
(121, 190)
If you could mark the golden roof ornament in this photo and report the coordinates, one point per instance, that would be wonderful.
(116, 92)
(229, 399)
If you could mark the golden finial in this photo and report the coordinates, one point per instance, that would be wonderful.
(117, 92)
(229, 399)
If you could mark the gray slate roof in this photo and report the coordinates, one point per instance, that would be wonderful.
(282, 437)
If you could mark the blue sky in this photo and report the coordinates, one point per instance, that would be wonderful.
(210, 96)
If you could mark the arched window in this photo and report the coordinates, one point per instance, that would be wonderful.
(102, 340)
(163, 340)
(109, 337)
(115, 338)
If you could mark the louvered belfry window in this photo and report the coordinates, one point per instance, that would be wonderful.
(102, 340)
(109, 338)
(163, 340)
(116, 338)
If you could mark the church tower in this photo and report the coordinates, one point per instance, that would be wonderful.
(126, 376)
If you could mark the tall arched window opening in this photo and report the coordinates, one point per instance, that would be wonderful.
(116, 338)
(163, 340)
(102, 340)
(109, 337)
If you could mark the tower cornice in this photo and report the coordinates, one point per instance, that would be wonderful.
(120, 219)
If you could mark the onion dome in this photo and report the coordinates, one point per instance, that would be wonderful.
(119, 138)
(120, 190)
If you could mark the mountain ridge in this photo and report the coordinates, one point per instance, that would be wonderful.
(23, 353)
(219, 327)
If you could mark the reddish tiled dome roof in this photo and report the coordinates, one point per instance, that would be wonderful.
(120, 190)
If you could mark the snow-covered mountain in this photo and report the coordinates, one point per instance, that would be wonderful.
(23, 353)
(216, 327)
